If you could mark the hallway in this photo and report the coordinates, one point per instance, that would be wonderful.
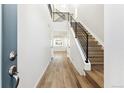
(58, 73)
(61, 74)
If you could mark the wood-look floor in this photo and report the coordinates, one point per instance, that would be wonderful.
(60, 74)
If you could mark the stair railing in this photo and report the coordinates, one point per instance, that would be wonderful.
(85, 38)
(81, 35)
(73, 24)
(61, 14)
(50, 9)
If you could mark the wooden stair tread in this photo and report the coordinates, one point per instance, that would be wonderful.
(96, 58)
(97, 63)
(91, 58)
(89, 42)
(96, 76)
(94, 49)
(99, 68)
(82, 34)
(96, 52)
(97, 47)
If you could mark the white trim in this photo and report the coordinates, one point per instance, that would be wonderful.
(87, 66)
(0, 46)
(95, 36)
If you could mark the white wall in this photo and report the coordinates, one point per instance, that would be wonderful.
(33, 43)
(72, 9)
(114, 45)
(61, 7)
(92, 17)
(0, 44)
(60, 26)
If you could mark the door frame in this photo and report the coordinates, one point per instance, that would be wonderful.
(0, 45)
(9, 46)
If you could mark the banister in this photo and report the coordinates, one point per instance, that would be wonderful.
(83, 30)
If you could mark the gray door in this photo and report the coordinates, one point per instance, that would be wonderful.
(9, 46)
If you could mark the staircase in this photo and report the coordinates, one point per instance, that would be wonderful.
(95, 56)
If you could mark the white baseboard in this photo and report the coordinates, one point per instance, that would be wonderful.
(35, 86)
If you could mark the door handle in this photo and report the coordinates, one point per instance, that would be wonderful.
(12, 55)
(13, 73)
(17, 80)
